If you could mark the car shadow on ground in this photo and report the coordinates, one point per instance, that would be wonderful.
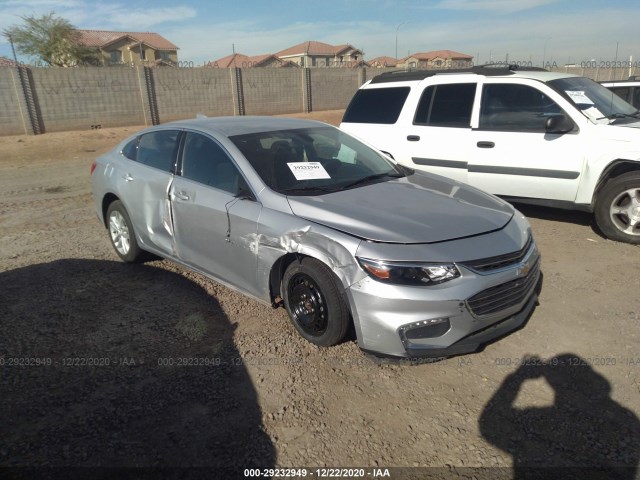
(583, 434)
(115, 365)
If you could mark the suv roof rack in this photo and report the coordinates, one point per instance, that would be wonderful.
(488, 70)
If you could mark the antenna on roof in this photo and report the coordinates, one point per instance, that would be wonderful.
(233, 48)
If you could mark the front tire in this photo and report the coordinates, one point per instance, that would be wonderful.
(121, 233)
(618, 208)
(314, 302)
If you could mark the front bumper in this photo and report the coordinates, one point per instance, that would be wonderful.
(452, 318)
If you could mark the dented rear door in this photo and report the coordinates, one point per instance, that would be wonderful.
(144, 178)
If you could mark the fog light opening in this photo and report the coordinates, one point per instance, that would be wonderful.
(431, 328)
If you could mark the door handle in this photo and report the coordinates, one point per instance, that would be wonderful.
(127, 177)
(486, 144)
(413, 138)
(181, 196)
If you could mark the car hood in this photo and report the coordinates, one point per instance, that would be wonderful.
(419, 208)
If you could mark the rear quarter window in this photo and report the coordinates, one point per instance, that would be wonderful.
(376, 105)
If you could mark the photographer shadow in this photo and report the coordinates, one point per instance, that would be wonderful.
(585, 434)
(127, 366)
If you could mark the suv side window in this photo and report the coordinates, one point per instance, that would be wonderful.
(376, 105)
(447, 105)
(157, 149)
(510, 107)
(622, 92)
(204, 161)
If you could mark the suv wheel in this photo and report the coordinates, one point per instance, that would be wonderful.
(618, 208)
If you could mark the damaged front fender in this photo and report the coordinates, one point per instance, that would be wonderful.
(281, 235)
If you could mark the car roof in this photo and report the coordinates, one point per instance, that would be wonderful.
(419, 75)
(241, 125)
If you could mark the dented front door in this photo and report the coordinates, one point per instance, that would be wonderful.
(214, 225)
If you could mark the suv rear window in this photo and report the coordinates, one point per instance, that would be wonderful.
(376, 105)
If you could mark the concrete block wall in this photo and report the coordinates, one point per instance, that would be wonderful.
(185, 92)
(79, 98)
(14, 118)
(40, 100)
(332, 88)
(271, 91)
(601, 74)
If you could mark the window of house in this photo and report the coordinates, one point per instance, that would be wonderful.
(376, 105)
(165, 56)
(509, 107)
(204, 161)
(158, 149)
(116, 56)
(447, 105)
(143, 54)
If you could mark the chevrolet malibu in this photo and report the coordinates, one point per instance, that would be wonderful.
(300, 214)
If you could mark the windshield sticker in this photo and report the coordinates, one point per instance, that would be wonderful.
(579, 97)
(308, 170)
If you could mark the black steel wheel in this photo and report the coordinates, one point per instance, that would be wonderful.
(314, 302)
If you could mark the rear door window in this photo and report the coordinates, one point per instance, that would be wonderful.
(376, 105)
(157, 149)
(447, 105)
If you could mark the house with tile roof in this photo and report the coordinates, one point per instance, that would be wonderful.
(382, 62)
(120, 48)
(436, 59)
(238, 60)
(7, 62)
(318, 54)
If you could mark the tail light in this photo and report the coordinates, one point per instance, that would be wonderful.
(93, 167)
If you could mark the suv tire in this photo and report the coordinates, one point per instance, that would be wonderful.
(618, 208)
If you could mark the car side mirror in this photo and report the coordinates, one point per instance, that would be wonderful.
(558, 124)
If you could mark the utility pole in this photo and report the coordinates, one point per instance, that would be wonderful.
(13, 49)
(398, 28)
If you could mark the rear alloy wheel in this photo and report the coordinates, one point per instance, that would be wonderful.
(314, 303)
(618, 208)
(121, 233)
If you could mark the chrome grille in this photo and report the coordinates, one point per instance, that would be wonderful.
(499, 261)
(498, 298)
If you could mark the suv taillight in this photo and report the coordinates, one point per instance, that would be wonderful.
(93, 167)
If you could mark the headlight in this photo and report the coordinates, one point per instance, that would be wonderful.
(409, 273)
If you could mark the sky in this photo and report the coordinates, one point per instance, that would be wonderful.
(536, 31)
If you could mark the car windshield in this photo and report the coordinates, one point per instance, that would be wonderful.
(595, 101)
(312, 161)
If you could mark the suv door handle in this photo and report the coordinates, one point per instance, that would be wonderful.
(413, 138)
(127, 177)
(181, 196)
(486, 144)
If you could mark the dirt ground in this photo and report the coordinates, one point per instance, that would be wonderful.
(106, 364)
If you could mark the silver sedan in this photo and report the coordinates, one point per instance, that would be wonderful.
(300, 214)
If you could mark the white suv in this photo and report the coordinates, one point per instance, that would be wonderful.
(530, 136)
